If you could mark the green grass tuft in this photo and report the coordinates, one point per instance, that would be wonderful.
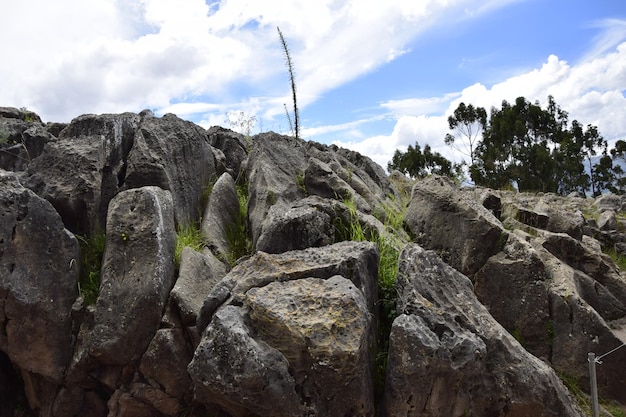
(618, 258)
(238, 235)
(92, 250)
(187, 235)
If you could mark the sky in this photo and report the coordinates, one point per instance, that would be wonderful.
(372, 76)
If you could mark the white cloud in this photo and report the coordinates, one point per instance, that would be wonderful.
(112, 55)
(591, 91)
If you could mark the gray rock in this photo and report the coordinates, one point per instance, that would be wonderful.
(512, 285)
(229, 360)
(609, 201)
(323, 328)
(322, 181)
(290, 228)
(561, 220)
(174, 155)
(234, 147)
(607, 220)
(137, 274)
(199, 273)
(84, 169)
(273, 167)
(461, 230)
(309, 341)
(221, 221)
(165, 363)
(598, 266)
(578, 328)
(39, 267)
(465, 362)
(356, 261)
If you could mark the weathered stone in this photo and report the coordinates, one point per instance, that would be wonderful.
(137, 274)
(174, 155)
(199, 273)
(221, 217)
(84, 169)
(465, 362)
(273, 167)
(512, 285)
(560, 219)
(323, 329)
(290, 228)
(610, 201)
(229, 361)
(322, 181)
(453, 224)
(577, 328)
(356, 261)
(38, 281)
(233, 145)
(607, 220)
(596, 265)
(165, 363)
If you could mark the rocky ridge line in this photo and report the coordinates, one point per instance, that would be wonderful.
(495, 290)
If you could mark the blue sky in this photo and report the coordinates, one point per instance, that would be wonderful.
(373, 76)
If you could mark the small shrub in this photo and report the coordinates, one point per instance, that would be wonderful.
(301, 184)
(92, 250)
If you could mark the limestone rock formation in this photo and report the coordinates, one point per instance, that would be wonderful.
(305, 320)
(449, 357)
(444, 219)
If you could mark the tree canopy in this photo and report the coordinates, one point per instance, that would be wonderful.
(418, 164)
(525, 146)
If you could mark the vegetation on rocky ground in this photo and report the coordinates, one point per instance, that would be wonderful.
(92, 250)
(188, 235)
(524, 146)
(238, 235)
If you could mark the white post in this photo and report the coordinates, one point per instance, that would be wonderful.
(591, 358)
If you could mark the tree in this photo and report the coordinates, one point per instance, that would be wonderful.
(532, 148)
(618, 154)
(418, 164)
(468, 121)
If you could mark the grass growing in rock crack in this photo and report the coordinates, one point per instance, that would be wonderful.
(238, 235)
(389, 251)
(187, 235)
(618, 258)
(92, 249)
(584, 400)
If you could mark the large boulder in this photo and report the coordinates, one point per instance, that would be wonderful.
(448, 221)
(199, 272)
(295, 227)
(233, 145)
(512, 285)
(221, 220)
(84, 169)
(137, 274)
(321, 180)
(306, 318)
(274, 164)
(175, 155)
(465, 362)
(577, 305)
(39, 267)
(22, 138)
(356, 261)
(304, 344)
